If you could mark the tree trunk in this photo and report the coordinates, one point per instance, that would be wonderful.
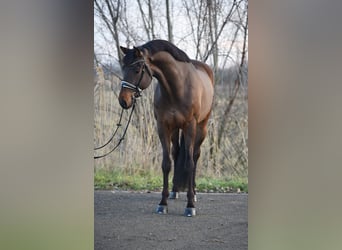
(169, 25)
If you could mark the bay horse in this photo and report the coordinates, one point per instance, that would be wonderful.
(182, 104)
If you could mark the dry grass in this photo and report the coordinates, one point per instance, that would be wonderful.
(140, 152)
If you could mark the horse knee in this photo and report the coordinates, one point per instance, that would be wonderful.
(166, 164)
(197, 154)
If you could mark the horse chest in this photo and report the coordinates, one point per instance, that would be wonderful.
(173, 118)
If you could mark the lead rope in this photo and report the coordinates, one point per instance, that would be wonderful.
(122, 137)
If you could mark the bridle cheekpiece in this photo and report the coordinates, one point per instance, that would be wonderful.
(136, 87)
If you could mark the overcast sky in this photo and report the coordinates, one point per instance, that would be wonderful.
(183, 37)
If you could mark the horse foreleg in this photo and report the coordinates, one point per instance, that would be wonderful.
(164, 137)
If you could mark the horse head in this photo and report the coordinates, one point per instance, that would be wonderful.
(137, 76)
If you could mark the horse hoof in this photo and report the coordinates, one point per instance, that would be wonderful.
(174, 195)
(190, 212)
(161, 209)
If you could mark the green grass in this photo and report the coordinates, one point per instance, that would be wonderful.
(153, 182)
(206, 184)
(114, 179)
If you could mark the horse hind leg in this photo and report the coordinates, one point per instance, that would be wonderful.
(189, 140)
(201, 133)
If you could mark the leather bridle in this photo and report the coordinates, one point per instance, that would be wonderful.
(136, 87)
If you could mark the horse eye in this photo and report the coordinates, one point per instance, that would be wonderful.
(137, 69)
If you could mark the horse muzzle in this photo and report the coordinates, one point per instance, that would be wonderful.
(126, 98)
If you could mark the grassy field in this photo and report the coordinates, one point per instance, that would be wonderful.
(136, 163)
(153, 182)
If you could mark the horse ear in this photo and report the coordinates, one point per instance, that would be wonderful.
(138, 52)
(124, 50)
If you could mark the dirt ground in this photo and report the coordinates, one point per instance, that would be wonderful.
(126, 220)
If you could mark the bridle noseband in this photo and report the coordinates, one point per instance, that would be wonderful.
(136, 87)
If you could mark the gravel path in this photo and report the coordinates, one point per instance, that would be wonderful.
(126, 220)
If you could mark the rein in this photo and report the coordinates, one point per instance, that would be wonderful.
(111, 138)
(122, 137)
(137, 93)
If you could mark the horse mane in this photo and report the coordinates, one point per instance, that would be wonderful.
(155, 46)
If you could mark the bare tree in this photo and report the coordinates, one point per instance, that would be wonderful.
(197, 14)
(219, 31)
(211, 5)
(109, 12)
(169, 23)
(148, 19)
(238, 81)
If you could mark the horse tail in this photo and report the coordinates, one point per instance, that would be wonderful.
(181, 172)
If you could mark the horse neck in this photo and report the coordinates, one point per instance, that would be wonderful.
(169, 73)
